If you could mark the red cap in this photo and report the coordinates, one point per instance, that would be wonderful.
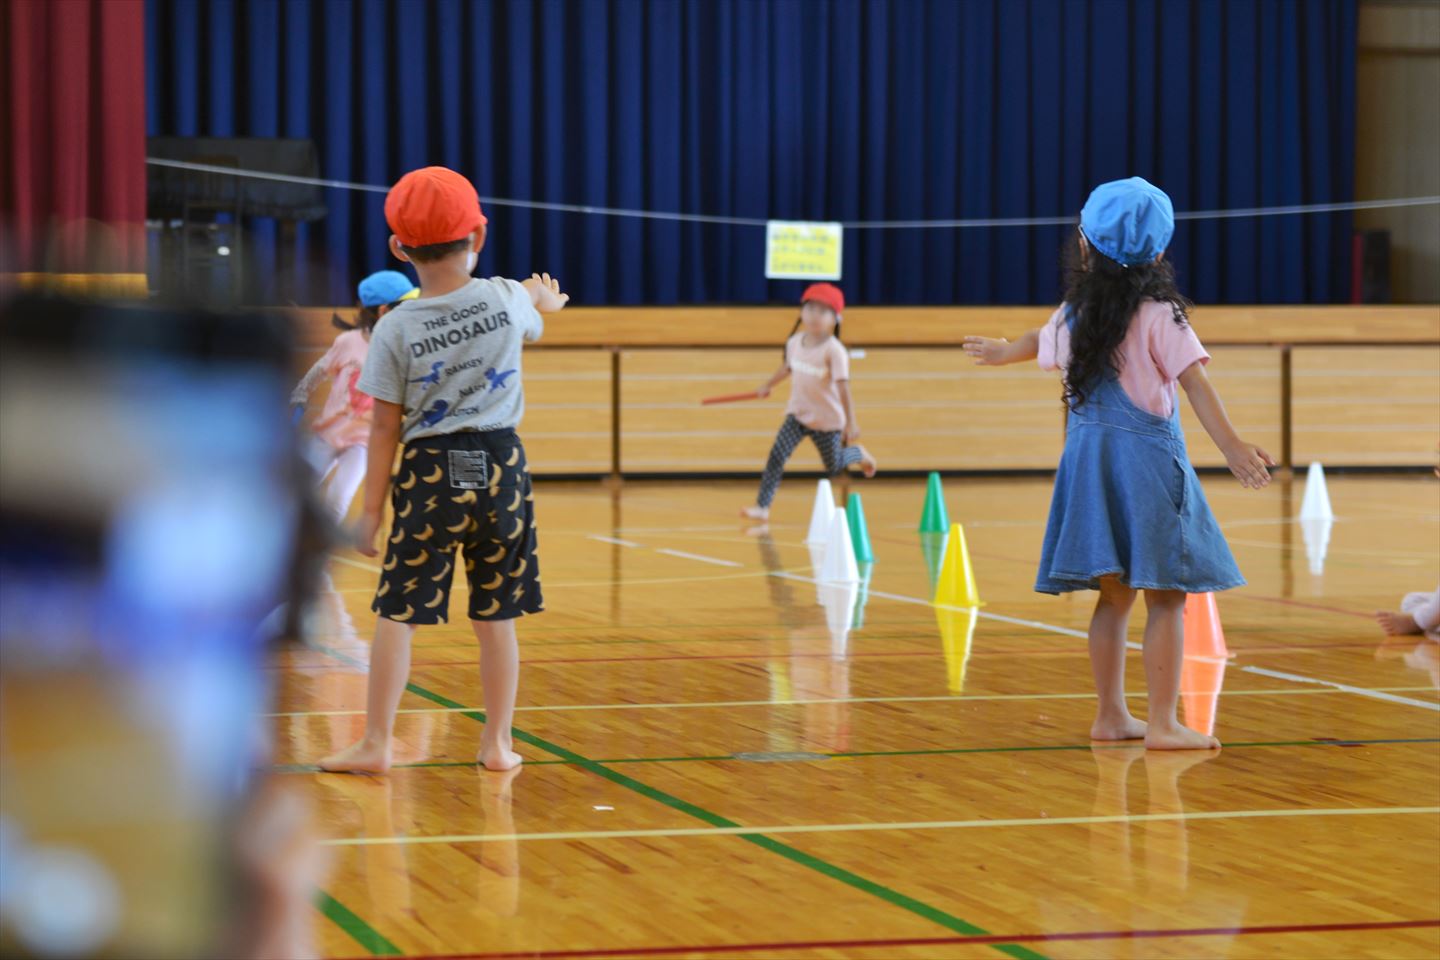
(432, 205)
(826, 293)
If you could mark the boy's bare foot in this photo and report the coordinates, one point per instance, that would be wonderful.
(360, 757)
(1397, 624)
(756, 513)
(499, 759)
(1121, 728)
(868, 464)
(498, 756)
(1178, 737)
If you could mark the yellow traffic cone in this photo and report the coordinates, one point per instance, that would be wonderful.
(957, 636)
(957, 580)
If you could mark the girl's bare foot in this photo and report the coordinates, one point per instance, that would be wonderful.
(360, 757)
(756, 513)
(868, 464)
(1118, 728)
(1178, 737)
(1397, 624)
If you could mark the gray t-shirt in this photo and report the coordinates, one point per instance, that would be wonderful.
(453, 362)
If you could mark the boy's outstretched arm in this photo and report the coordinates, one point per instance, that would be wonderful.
(989, 352)
(1246, 461)
(384, 435)
(545, 293)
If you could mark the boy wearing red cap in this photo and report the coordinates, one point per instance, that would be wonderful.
(444, 370)
(820, 406)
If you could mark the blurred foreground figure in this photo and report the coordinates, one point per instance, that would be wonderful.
(149, 509)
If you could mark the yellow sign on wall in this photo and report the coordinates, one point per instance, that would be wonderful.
(797, 250)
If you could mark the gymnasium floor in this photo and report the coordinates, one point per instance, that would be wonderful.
(716, 769)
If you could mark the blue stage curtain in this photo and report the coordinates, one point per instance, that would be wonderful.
(794, 109)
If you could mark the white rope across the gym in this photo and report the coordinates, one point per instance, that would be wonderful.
(1277, 211)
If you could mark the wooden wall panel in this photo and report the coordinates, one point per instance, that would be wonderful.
(1377, 406)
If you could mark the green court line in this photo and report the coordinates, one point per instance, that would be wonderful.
(858, 754)
(359, 931)
(793, 854)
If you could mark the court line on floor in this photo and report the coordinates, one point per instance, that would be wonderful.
(726, 704)
(737, 830)
(354, 927)
(1292, 677)
(793, 854)
(884, 754)
(1360, 691)
(1080, 935)
(695, 556)
(613, 540)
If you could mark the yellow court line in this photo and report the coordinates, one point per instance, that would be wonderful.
(780, 829)
(719, 704)
(627, 581)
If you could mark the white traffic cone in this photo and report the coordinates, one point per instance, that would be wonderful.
(839, 565)
(839, 601)
(821, 514)
(1316, 504)
(1316, 531)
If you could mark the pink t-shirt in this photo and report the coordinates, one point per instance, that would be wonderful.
(1155, 351)
(345, 419)
(815, 371)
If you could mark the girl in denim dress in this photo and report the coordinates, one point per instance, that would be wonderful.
(1128, 513)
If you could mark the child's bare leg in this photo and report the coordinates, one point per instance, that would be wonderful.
(500, 679)
(1164, 656)
(1107, 660)
(389, 672)
(1397, 623)
(756, 513)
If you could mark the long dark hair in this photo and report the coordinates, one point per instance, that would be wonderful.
(785, 348)
(365, 319)
(1105, 295)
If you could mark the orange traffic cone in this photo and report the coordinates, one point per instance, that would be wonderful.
(1202, 674)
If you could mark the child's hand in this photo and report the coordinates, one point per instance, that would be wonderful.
(852, 433)
(764, 391)
(986, 351)
(365, 531)
(546, 290)
(1248, 463)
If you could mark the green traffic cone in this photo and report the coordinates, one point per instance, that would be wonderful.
(859, 535)
(933, 546)
(935, 519)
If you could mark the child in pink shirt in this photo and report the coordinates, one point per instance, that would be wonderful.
(1128, 513)
(820, 405)
(343, 427)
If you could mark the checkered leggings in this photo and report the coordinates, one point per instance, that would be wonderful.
(836, 455)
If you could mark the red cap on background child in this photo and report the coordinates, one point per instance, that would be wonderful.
(432, 205)
(827, 294)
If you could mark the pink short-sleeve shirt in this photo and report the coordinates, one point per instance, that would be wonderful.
(1154, 353)
(815, 371)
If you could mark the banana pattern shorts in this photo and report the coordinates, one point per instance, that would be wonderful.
(461, 498)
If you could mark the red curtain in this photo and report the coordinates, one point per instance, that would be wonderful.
(72, 163)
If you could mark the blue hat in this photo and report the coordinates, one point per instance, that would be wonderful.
(1130, 221)
(383, 287)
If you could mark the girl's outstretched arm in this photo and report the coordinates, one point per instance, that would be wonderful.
(851, 432)
(1246, 461)
(775, 380)
(989, 352)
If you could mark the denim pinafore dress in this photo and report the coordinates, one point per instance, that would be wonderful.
(1127, 504)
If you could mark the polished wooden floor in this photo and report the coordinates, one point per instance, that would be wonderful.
(725, 760)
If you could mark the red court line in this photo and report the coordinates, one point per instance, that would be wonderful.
(935, 941)
(1300, 603)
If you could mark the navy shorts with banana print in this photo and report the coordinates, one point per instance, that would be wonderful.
(461, 498)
